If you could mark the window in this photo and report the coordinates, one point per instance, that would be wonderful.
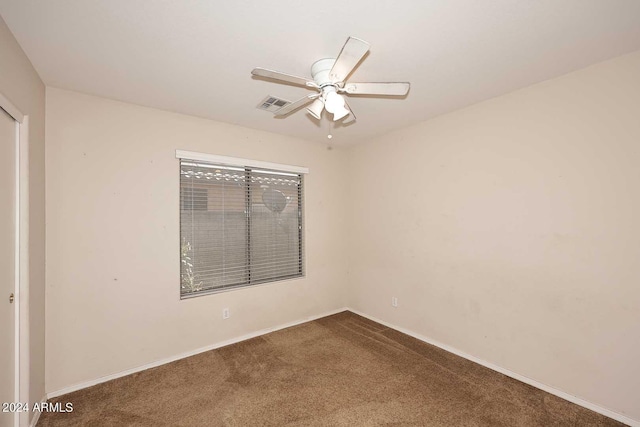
(239, 225)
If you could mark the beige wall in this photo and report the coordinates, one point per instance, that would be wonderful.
(20, 83)
(113, 244)
(509, 230)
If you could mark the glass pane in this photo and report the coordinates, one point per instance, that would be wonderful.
(213, 227)
(275, 226)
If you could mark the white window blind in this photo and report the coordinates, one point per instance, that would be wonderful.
(239, 226)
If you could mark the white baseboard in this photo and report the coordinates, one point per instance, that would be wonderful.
(245, 337)
(566, 396)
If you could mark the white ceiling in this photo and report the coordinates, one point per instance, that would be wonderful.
(195, 56)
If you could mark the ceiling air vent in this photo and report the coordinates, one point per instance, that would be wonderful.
(273, 104)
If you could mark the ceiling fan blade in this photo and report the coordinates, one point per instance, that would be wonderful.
(383, 89)
(351, 54)
(296, 105)
(277, 75)
(351, 117)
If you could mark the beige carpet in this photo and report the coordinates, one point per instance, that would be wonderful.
(342, 370)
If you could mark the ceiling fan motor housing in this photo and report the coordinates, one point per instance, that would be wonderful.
(320, 71)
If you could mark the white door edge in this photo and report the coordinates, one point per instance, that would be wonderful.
(23, 366)
(16, 287)
(21, 333)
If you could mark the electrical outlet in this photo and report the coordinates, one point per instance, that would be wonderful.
(394, 301)
(225, 313)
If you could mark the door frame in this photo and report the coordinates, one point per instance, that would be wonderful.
(21, 285)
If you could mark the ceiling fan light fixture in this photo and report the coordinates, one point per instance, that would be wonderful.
(340, 114)
(315, 109)
(334, 103)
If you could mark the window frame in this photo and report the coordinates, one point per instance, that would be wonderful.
(248, 166)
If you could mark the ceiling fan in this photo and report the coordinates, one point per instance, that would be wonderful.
(329, 80)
